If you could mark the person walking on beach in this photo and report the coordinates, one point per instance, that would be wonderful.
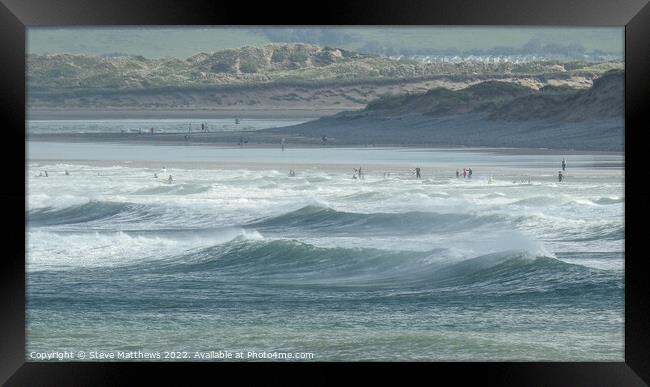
(417, 173)
(564, 164)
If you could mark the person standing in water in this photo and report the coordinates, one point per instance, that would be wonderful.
(464, 173)
(417, 173)
(282, 143)
(67, 173)
(469, 173)
(564, 164)
(559, 176)
(457, 173)
(169, 181)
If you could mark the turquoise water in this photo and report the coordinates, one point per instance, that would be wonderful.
(230, 258)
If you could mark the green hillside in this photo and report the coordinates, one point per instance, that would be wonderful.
(273, 63)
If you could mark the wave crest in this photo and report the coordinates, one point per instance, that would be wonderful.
(296, 264)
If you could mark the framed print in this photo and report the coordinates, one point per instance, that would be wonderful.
(439, 186)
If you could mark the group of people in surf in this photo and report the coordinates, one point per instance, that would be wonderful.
(204, 127)
(45, 174)
(358, 174)
(467, 173)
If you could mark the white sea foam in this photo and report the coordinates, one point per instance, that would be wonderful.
(541, 218)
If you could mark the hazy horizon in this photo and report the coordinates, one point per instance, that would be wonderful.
(182, 42)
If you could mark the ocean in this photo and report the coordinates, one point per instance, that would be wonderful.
(235, 255)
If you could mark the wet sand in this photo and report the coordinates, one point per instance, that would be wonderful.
(263, 139)
(94, 114)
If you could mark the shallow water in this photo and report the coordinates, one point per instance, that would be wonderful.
(384, 268)
(168, 125)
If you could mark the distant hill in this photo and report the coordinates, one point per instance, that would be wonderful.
(274, 75)
(493, 114)
(512, 102)
(604, 100)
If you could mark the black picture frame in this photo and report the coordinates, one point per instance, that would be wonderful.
(17, 15)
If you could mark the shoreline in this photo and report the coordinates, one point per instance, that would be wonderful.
(228, 140)
(486, 174)
(85, 114)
